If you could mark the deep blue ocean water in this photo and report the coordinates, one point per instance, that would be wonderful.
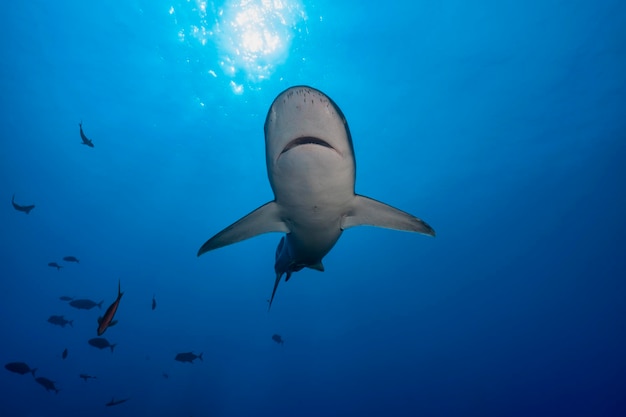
(500, 123)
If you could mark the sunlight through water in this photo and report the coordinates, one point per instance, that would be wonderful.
(251, 37)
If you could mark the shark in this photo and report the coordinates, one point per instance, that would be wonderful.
(312, 172)
(85, 139)
(23, 209)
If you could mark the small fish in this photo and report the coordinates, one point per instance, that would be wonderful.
(113, 323)
(107, 319)
(278, 339)
(71, 259)
(23, 209)
(86, 377)
(187, 357)
(86, 141)
(65, 298)
(60, 321)
(101, 343)
(47, 384)
(20, 368)
(153, 302)
(64, 354)
(55, 265)
(114, 402)
(166, 376)
(85, 304)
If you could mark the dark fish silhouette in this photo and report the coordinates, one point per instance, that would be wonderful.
(20, 368)
(101, 343)
(86, 377)
(47, 384)
(278, 339)
(187, 357)
(153, 302)
(71, 259)
(64, 354)
(65, 298)
(86, 141)
(23, 209)
(60, 321)
(113, 402)
(166, 376)
(107, 320)
(55, 265)
(85, 304)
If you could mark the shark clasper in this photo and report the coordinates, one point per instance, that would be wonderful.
(311, 168)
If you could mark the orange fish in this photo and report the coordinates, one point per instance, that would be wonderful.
(107, 320)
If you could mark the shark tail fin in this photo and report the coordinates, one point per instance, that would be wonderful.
(113, 347)
(200, 356)
(264, 219)
(100, 304)
(32, 371)
(278, 277)
(71, 323)
(366, 211)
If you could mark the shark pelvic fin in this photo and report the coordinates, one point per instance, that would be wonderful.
(318, 266)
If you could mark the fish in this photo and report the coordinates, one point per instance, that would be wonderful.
(64, 354)
(55, 265)
(107, 320)
(153, 302)
(84, 304)
(278, 339)
(86, 141)
(114, 402)
(20, 368)
(23, 209)
(101, 343)
(166, 376)
(60, 321)
(312, 170)
(71, 259)
(188, 357)
(65, 298)
(47, 384)
(113, 322)
(86, 377)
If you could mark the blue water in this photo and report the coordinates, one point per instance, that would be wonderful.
(500, 123)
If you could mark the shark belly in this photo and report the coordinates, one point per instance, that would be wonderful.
(314, 188)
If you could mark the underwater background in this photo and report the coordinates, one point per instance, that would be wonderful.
(500, 123)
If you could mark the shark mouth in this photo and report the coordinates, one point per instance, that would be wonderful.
(306, 140)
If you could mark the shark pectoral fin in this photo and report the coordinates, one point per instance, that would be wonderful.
(265, 219)
(318, 266)
(369, 212)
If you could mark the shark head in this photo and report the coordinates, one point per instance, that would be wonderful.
(306, 132)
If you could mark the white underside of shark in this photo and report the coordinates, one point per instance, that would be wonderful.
(311, 168)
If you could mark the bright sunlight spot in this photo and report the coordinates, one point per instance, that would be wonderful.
(251, 37)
